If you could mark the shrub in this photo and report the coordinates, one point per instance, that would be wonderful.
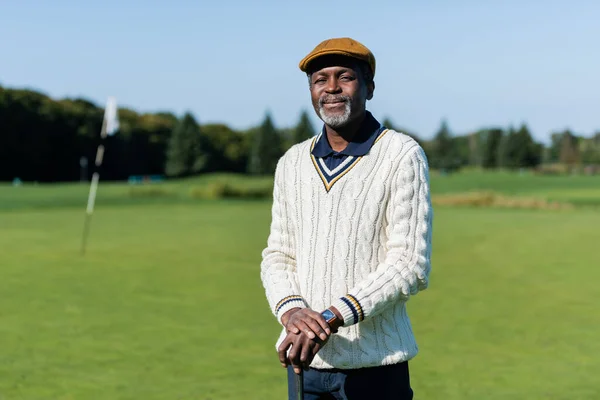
(247, 192)
(490, 199)
(149, 192)
(552, 169)
(222, 190)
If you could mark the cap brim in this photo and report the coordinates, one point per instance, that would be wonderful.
(306, 61)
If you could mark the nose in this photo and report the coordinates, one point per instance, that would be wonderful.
(333, 85)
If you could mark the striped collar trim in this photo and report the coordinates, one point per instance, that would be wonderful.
(330, 177)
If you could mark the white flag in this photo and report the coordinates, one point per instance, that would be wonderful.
(111, 118)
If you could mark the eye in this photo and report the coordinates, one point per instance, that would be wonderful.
(319, 80)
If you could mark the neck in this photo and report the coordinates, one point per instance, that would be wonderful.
(340, 137)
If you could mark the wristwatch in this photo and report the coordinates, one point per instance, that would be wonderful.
(331, 319)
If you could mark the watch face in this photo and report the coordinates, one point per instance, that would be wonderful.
(328, 315)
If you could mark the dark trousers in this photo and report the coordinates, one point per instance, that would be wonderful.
(382, 383)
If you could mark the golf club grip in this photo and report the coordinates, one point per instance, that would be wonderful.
(300, 385)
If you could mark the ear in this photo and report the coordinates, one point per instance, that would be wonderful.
(370, 90)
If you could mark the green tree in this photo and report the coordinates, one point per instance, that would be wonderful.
(462, 155)
(475, 149)
(266, 149)
(443, 151)
(554, 149)
(527, 153)
(185, 154)
(390, 125)
(227, 149)
(491, 139)
(303, 130)
(589, 149)
(42, 139)
(508, 149)
(569, 149)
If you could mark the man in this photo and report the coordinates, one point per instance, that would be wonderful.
(350, 239)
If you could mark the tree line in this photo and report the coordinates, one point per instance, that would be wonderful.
(42, 139)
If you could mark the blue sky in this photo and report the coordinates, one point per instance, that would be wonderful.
(475, 64)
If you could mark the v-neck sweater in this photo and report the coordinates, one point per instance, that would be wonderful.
(360, 242)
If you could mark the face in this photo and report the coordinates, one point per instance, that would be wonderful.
(339, 92)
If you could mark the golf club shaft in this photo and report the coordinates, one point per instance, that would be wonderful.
(300, 385)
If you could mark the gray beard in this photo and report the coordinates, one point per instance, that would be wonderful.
(336, 120)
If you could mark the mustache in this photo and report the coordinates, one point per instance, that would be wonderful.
(333, 99)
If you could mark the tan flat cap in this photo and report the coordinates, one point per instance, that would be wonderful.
(341, 46)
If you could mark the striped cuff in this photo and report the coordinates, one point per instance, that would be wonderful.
(287, 303)
(350, 308)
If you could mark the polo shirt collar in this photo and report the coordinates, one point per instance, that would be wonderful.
(359, 146)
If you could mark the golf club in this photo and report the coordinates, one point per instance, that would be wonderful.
(300, 385)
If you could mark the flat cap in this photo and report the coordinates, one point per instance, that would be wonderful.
(341, 46)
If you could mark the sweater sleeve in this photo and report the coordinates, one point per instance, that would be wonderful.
(406, 266)
(278, 267)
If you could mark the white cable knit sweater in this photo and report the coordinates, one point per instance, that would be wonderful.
(363, 245)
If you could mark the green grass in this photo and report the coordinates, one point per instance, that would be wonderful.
(46, 196)
(512, 310)
(167, 303)
(579, 190)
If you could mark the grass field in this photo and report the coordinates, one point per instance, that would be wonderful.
(579, 190)
(168, 304)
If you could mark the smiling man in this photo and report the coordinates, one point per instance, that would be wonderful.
(350, 239)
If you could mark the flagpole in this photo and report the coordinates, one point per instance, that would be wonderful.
(110, 117)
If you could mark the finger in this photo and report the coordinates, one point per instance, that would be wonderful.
(283, 360)
(309, 350)
(321, 321)
(311, 355)
(314, 350)
(294, 358)
(282, 353)
(295, 353)
(308, 315)
(314, 328)
(292, 328)
(304, 328)
(298, 367)
(292, 353)
(317, 329)
(292, 322)
(305, 358)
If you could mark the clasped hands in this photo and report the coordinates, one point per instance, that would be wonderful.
(307, 332)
